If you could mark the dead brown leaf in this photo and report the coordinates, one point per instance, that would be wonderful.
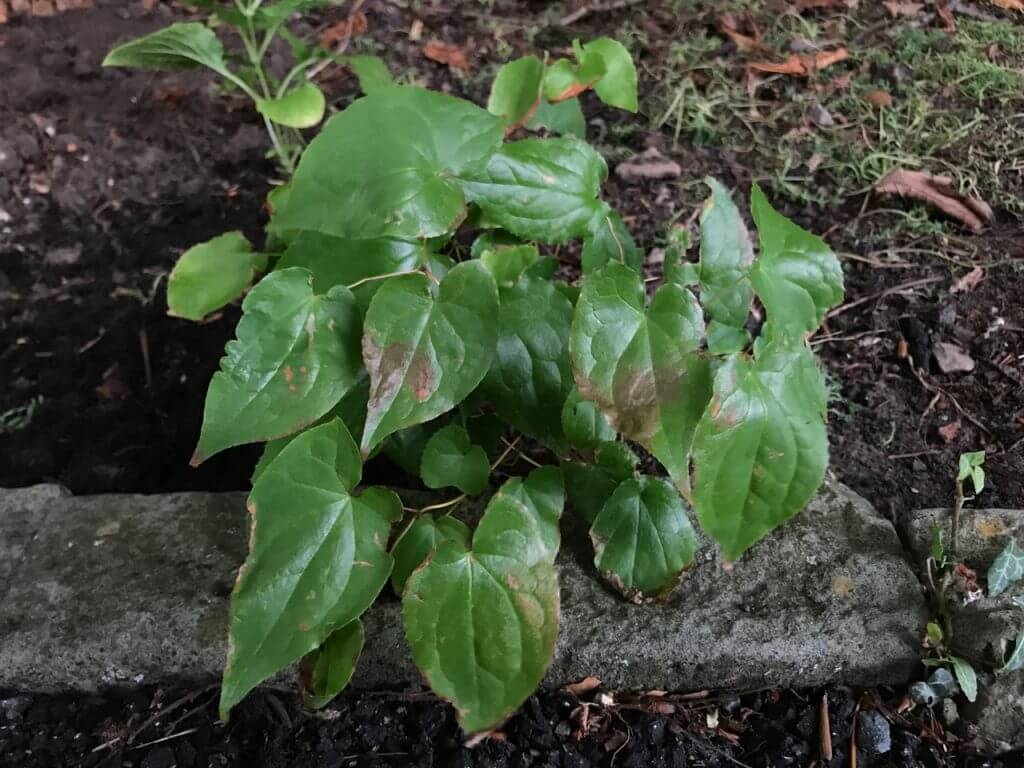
(802, 65)
(353, 26)
(746, 43)
(651, 164)
(948, 432)
(1009, 5)
(586, 685)
(972, 212)
(968, 281)
(902, 9)
(946, 17)
(952, 358)
(879, 98)
(452, 54)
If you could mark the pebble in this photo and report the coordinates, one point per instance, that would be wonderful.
(15, 707)
(873, 732)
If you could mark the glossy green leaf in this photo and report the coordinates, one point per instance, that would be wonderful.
(564, 118)
(726, 254)
(642, 366)
(585, 427)
(1007, 568)
(302, 107)
(515, 93)
(540, 189)
(643, 540)
(317, 557)
(797, 277)
(760, 450)
(617, 87)
(493, 240)
(482, 623)
(405, 447)
(565, 80)
(385, 167)
(212, 274)
(507, 264)
(966, 677)
(972, 465)
(1016, 660)
(185, 45)
(420, 540)
(372, 73)
(296, 355)
(610, 240)
(451, 460)
(425, 354)
(531, 377)
(328, 669)
(589, 485)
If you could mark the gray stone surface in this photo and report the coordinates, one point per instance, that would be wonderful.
(126, 588)
(986, 629)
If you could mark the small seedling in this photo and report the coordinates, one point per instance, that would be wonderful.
(971, 466)
(938, 685)
(287, 104)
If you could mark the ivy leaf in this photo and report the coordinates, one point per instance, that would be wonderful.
(302, 107)
(590, 485)
(610, 240)
(583, 424)
(515, 93)
(972, 465)
(419, 540)
(531, 378)
(328, 669)
(563, 118)
(643, 540)
(617, 87)
(179, 46)
(760, 450)
(317, 557)
(450, 459)
(426, 354)
(540, 189)
(482, 622)
(642, 365)
(726, 254)
(211, 275)
(966, 677)
(1007, 568)
(797, 277)
(296, 355)
(1016, 660)
(384, 167)
(507, 264)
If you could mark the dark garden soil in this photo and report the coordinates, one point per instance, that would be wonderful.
(164, 729)
(106, 176)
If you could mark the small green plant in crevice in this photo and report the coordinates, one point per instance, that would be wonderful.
(20, 416)
(366, 336)
(287, 104)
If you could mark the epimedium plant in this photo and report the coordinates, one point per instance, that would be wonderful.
(286, 104)
(375, 332)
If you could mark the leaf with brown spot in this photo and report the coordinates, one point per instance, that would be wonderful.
(426, 348)
(938, 191)
(642, 365)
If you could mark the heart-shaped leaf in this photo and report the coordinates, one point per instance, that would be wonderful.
(583, 424)
(531, 378)
(426, 354)
(384, 167)
(642, 366)
(564, 80)
(451, 460)
(643, 540)
(515, 93)
(760, 450)
(419, 540)
(797, 277)
(179, 46)
(609, 240)
(482, 622)
(589, 485)
(328, 669)
(726, 254)
(1007, 568)
(302, 107)
(617, 87)
(212, 274)
(540, 189)
(317, 557)
(296, 355)
(563, 118)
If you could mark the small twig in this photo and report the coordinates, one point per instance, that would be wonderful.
(144, 344)
(825, 730)
(586, 10)
(913, 455)
(934, 388)
(167, 738)
(880, 294)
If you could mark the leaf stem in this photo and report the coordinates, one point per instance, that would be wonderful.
(370, 279)
(958, 505)
(452, 503)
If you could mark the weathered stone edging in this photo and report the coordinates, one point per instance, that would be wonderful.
(120, 589)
